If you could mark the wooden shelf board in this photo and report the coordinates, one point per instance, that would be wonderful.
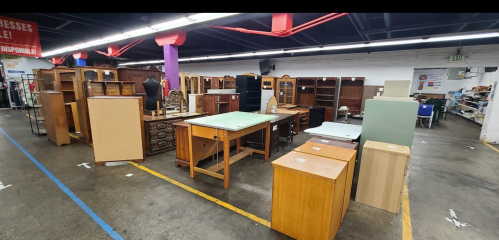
(325, 87)
(328, 95)
(221, 102)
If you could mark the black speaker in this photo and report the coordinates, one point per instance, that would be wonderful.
(316, 116)
(490, 69)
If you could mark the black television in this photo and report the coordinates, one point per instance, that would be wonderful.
(264, 67)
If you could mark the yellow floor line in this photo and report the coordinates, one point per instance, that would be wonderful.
(406, 215)
(206, 196)
(490, 146)
(201, 194)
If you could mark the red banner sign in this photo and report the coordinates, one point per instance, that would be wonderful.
(19, 37)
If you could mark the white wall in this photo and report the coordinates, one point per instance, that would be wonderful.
(26, 64)
(451, 84)
(376, 67)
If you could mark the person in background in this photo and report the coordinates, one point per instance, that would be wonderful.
(422, 79)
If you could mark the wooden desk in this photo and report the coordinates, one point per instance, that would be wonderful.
(296, 115)
(281, 127)
(307, 195)
(334, 153)
(223, 128)
(286, 106)
(160, 134)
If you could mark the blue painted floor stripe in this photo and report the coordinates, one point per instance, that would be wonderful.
(66, 190)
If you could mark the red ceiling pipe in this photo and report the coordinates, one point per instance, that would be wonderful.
(288, 32)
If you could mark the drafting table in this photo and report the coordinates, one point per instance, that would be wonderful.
(340, 131)
(224, 128)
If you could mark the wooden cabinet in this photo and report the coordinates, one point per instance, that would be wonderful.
(307, 195)
(351, 91)
(160, 133)
(84, 75)
(54, 114)
(138, 76)
(305, 92)
(325, 96)
(334, 153)
(208, 83)
(268, 83)
(190, 84)
(285, 93)
(48, 76)
(382, 175)
(218, 103)
(229, 82)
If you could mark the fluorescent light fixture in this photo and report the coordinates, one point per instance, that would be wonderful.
(338, 47)
(172, 24)
(392, 43)
(463, 37)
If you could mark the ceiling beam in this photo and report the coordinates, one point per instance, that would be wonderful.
(466, 16)
(491, 25)
(425, 26)
(99, 26)
(63, 25)
(360, 25)
(292, 38)
(224, 39)
(387, 24)
(88, 19)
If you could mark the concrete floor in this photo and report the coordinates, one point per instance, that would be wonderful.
(443, 174)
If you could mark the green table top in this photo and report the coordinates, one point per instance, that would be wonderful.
(232, 121)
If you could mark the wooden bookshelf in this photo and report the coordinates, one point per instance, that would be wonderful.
(350, 94)
(305, 91)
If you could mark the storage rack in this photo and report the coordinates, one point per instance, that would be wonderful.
(36, 116)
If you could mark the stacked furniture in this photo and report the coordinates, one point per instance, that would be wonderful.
(351, 91)
(335, 142)
(382, 176)
(117, 128)
(84, 75)
(218, 103)
(138, 76)
(249, 88)
(268, 83)
(305, 92)
(334, 153)
(286, 88)
(369, 93)
(54, 114)
(160, 133)
(387, 121)
(325, 96)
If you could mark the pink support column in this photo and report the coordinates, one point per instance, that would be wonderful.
(170, 42)
(171, 65)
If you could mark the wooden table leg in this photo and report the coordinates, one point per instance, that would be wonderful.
(238, 145)
(191, 157)
(267, 142)
(226, 143)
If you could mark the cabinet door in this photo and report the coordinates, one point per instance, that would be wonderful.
(138, 79)
(329, 115)
(280, 92)
(234, 103)
(108, 75)
(289, 96)
(90, 75)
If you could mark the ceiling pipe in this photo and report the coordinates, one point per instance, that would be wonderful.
(287, 32)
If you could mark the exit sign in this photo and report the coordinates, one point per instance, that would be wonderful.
(456, 58)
